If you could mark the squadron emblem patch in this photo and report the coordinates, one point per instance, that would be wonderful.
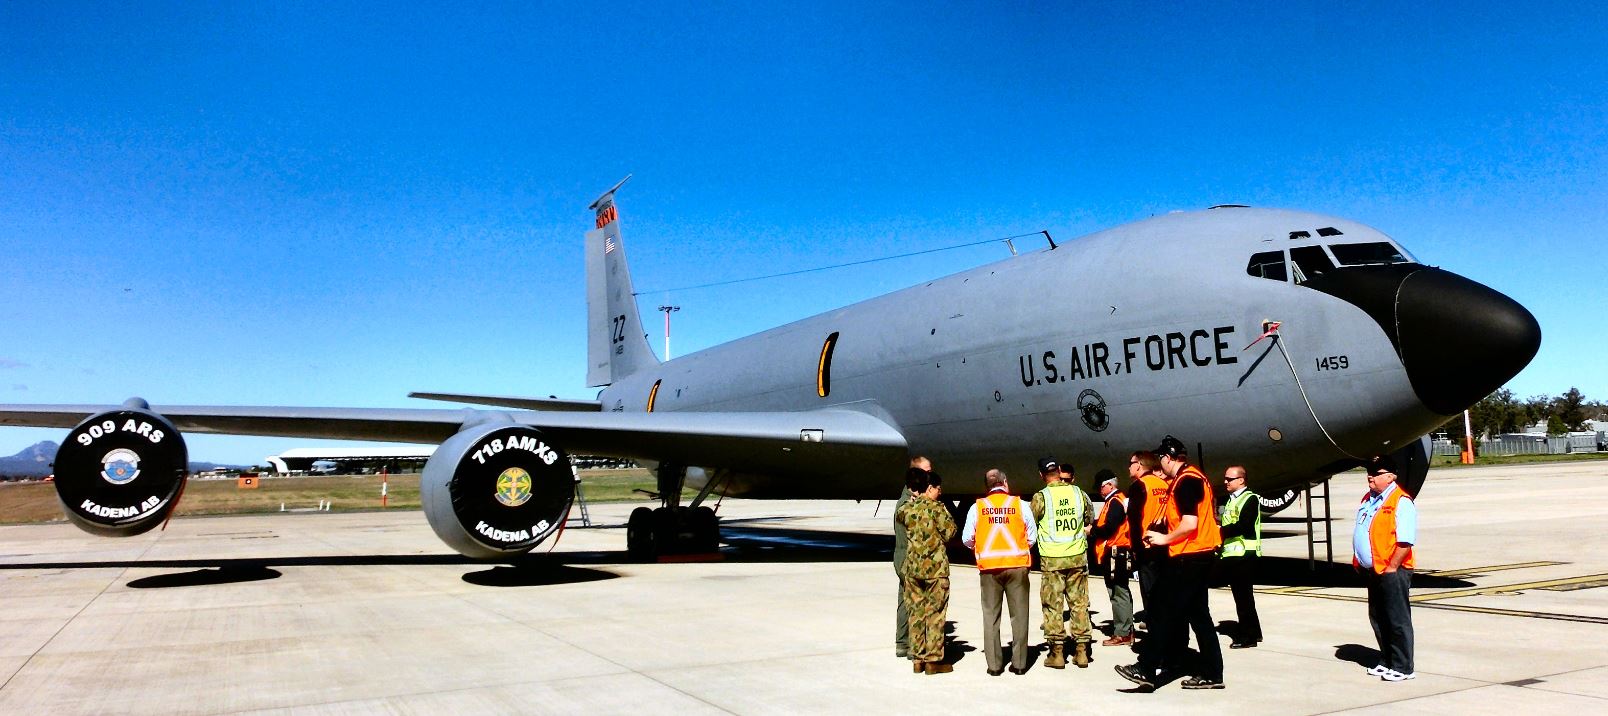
(120, 466)
(513, 487)
(1093, 409)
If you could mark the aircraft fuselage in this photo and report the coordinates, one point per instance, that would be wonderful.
(1087, 352)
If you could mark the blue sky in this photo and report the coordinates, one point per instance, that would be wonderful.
(335, 204)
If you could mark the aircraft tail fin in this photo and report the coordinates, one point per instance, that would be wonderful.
(616, 343)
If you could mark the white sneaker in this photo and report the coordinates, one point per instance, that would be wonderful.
(1393, 675)
(1379, 670)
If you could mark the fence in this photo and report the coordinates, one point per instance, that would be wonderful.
(1520, 444)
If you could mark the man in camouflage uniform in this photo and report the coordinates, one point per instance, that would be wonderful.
(928, 527)
(1063, 514)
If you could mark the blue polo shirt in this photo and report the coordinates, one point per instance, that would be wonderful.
(1406, 524)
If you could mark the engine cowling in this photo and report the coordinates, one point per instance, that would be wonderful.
(119, 473)
(496, 490)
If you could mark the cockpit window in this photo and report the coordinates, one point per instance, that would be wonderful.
(1309, 262)
(1367, 254)
(1268, 264)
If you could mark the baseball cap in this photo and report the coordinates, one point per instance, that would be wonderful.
(1048, 464)
(1381, 463)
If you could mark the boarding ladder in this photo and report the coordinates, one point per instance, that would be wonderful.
(580, 501)
(1328, 526)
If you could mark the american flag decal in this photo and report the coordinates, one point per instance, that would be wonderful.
(608, 244)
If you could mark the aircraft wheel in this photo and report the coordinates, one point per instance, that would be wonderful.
(639, 533)
(667, 531)
(705, 529)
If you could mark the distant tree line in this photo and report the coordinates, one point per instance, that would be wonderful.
(1503, 412)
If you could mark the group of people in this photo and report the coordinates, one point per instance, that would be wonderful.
(1166, 528)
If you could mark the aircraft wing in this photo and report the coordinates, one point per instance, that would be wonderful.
(786, 443)
(506, 401)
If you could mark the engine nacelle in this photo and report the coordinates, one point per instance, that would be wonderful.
(118, 473)
(496, 489)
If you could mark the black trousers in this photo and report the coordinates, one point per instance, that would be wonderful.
(1182, 607)
(1149, 569)
(1240, 573)
(1390, 613)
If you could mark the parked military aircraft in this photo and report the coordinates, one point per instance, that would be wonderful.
(1292, 343)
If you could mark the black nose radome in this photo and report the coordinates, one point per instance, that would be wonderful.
(1458, 339)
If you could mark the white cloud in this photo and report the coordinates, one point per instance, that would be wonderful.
(11, 363)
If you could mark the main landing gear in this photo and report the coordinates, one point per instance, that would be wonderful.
(672, 528)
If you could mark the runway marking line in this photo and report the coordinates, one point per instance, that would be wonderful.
(1529, 614)
(1448, 573)
(1469, 571)
(1495, 589)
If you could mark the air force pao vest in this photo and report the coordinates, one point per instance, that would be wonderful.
(1243, 544)
(1060, 533)
(1001, 539)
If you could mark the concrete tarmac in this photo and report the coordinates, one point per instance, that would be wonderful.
(369, 613)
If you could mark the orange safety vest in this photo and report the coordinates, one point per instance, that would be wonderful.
(1207, 538)
(1120, 539)
(1155, 499)
(1001, 539)
(1382, 534)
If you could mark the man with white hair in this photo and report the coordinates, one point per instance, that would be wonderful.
(1113, 549)
(1000, 530)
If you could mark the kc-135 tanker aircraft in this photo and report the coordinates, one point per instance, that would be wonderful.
(1292, 343)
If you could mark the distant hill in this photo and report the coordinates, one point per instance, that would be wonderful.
(34, 461)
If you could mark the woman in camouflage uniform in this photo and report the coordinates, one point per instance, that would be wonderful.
(926, 569)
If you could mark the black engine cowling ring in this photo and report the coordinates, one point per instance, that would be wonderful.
(497, 490)
(119, 472)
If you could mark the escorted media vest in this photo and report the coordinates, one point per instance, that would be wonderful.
(1156, 494)
(1060, 533)
(1001, 537)
(1382, 533)
(1206, 538)
(1243, 544)
(1120, 538)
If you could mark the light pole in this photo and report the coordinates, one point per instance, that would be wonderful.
(667, 311)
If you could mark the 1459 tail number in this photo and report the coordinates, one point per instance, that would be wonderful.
(1333, 363)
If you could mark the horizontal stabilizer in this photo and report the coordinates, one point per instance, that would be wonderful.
(504, 401)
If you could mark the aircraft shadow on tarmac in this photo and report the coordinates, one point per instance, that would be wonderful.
(232, 574)
(534, 570)
(526, 575)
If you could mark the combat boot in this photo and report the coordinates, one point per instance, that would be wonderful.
(1081, 655)
(1057, 657)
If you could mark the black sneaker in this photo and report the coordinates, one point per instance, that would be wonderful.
(1196, 682)
(1134, 674)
